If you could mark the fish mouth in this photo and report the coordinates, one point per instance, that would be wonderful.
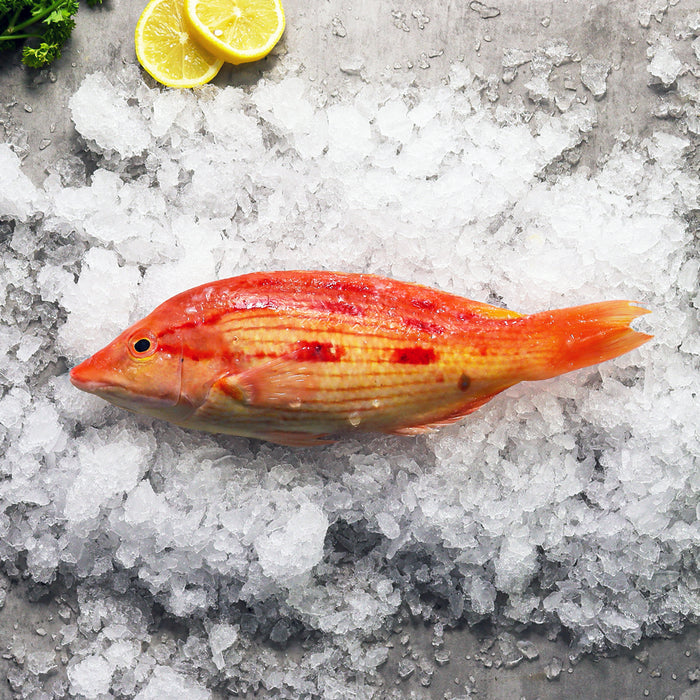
(89, 385)
(82, 377)
(117, 392)
(80, 381)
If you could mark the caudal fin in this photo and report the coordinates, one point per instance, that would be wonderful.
(568, 339)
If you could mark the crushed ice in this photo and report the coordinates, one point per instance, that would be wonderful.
(572, 502)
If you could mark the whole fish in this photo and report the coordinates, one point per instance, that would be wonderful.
(301, 358)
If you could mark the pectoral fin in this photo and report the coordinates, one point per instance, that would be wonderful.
(236, 405)
(279, 383)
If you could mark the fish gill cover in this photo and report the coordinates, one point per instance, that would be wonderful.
(569, 503)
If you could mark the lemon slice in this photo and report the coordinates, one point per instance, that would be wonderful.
(166, 51)
(237, 31)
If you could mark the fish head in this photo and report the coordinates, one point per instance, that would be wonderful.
(140, 370)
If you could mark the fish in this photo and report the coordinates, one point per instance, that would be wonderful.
(304, 358)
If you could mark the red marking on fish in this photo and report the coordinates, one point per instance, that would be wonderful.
(339, 307)
(353, 286)
(306, 351)
(413, 356)
(424, 326)
(424, 304)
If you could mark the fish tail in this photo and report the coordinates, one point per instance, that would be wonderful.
(567, 339)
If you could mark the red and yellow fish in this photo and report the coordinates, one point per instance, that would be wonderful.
(301, 358)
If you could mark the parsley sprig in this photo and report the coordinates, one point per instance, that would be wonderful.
(43, 26)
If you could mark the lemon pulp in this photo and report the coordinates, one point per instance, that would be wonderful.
(167, 52)
(237, 31)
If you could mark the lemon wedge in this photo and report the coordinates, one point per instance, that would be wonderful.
(237, 31)
(166, 51)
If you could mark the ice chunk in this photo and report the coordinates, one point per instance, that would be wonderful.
(594, 74)
(230, 127)
(528, 649)
(352, 65)
(121, 653)
(649, 9)
(514, 58)
(668, 150)
(388, 525)
(42, 663)
(539, 90)
(168, 683)
(515, 564)
(106, 117)
(558, 52)
(143, 505)
(510, 653)
(18, 196)
(665, 66)
(96, 313)
(484, 10)
(285, 105)
(106, 471)
(292, 546)
(28, 347)
(349, 134)
(221, 638)
(166, 107)
(43, 556)
(553, 669)
(338, 27)
(393, 121)
(483, 596)
(42, 429)
(12, 408)
(91, 676)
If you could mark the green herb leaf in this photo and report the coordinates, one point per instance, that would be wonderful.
(45, 26)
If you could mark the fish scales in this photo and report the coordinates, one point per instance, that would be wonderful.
(367, 373)
(303, 357)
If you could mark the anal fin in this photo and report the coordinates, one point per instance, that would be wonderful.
(295, 439)
(448, 419)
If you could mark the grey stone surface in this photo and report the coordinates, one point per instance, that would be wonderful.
(370, 40)
(36, 101)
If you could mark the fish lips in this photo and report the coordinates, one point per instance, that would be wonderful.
(83, 377)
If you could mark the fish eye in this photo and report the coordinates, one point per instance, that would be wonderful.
(142, 344)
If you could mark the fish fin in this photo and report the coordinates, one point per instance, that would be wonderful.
(219, 410)
(282, 382)
(224, 402)
(579, 336)
(449, 419)
(413, 430)
(487, 311)
(291, 438)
